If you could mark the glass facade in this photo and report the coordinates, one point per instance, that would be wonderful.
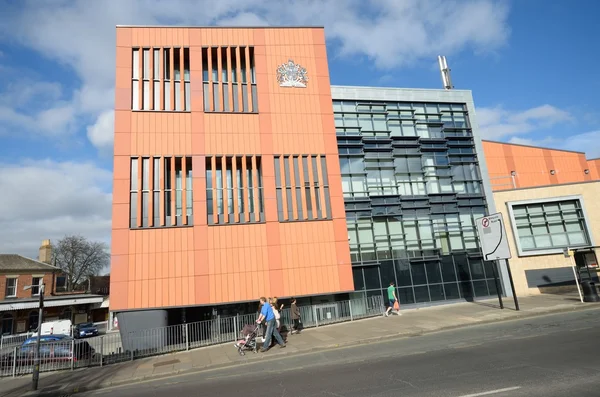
(412, 190)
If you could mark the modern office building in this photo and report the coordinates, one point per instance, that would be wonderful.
(240, 172)
(549, 201)
(413, 187)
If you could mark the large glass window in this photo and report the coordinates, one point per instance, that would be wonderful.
(427, 243)
(550, 225)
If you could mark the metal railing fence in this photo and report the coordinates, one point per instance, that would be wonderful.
(113, 347)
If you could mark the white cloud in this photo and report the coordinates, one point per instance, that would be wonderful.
(101, 133)
(49, 199)
(36, 107)
(498, 123)
(81, 34)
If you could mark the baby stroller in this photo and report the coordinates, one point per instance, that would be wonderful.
(249, 334)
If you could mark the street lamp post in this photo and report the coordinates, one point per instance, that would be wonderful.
(36, 361)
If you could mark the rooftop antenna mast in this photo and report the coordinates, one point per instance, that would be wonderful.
(445, 71)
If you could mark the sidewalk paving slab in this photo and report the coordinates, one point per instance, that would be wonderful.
(413, 322)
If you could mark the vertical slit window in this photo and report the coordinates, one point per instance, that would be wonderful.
(224, 64)
(219, 187)
(178, 188)
(288, 187)
(234, 79)
(177, 77)
(298, 188)
(186, 76)
(205, 74)
(145, 190)
(260, 185)
(156, 192)
(229, 181)
(243, 64)
(168, 190)
(280, 214)
(307, 187)
(250, 184)
(326, 186)
(146, 78)
(240, 183)
(215, 78)
(209, 187)
(135, 75)
(189, 188)
(133, 192)
(317, 190)
(156, 78)
(252, 68)
(167, 78)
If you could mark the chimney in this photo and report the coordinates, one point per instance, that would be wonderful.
(445, 72)
(46, 252)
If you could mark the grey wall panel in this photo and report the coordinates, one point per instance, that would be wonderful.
(551, 277)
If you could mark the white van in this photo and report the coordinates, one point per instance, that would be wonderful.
(58, 327)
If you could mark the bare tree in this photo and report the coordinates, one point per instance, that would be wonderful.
(79, 259)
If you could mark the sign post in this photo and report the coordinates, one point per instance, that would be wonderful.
(494, 246)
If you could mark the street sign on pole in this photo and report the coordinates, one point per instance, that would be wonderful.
(494, 245)
(492, 235)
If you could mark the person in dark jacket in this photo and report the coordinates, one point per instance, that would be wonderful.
(295, 317)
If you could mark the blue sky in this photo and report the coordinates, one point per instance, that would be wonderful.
(530, 65)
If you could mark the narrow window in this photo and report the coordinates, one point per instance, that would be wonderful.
(316, 184)
(177, 64)
(240, 184)
(146, 77)
(186, 71)
(36, 282)
(135, 84)
(168, 191)
(279, 193)
(205, 82)
(307, 187)
(215, 64)
(178, 190)
(189, 189)
(156, 192)
(260, 186)
(298, 188)
(11, 287)
(145, 190)
(288, 187)
(326, 186)
(133, 191)
(229, 183)
(209, 187)
(243, 64)
(156, 69)
(167, 78)
(219, 187)
(224, 64)
(250, 184)
(252, 68)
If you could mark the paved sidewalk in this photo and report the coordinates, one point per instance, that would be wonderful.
(414, 321)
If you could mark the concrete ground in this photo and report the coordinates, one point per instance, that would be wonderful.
(413, 322)
(552, 355)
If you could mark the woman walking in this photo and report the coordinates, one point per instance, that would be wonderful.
(295, 317)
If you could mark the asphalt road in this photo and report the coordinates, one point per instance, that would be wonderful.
(556, 355)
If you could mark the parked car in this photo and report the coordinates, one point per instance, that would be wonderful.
(53, 349)
(84, 330)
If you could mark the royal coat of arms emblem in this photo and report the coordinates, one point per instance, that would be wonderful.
(291, 74)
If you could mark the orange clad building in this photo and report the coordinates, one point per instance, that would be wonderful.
(513, 166)
(227, 180)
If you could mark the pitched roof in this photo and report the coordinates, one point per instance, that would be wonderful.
(14, 262)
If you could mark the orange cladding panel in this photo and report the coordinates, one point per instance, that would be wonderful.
(533, 166)
(201, 263)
